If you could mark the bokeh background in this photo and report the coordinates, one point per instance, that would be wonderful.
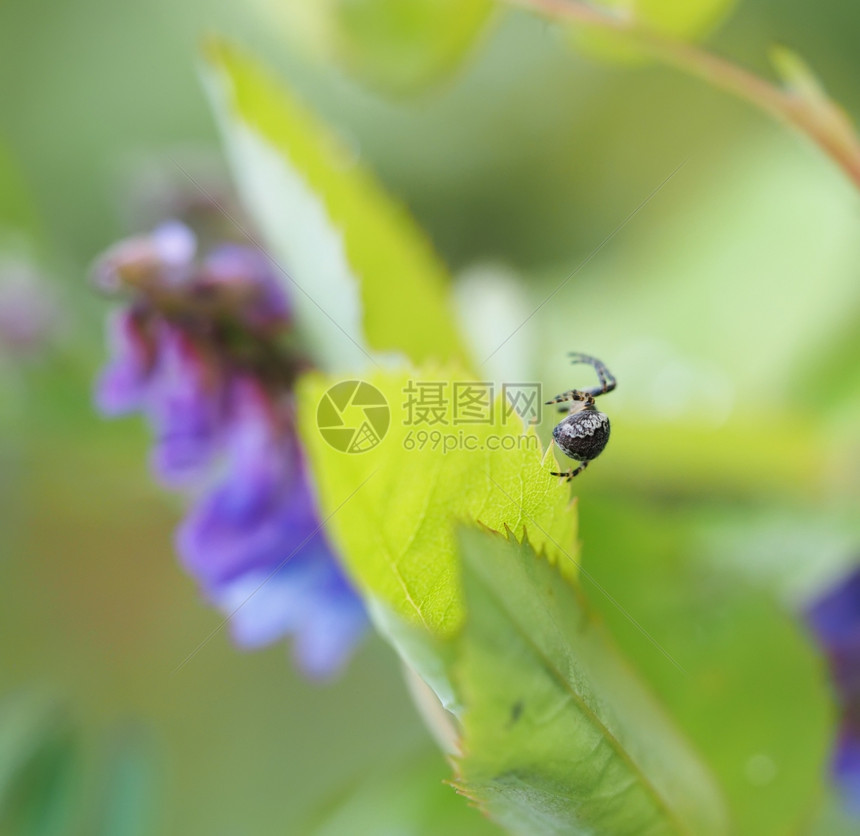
(728, 307)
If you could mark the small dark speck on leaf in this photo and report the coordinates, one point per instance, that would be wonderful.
(516, 711)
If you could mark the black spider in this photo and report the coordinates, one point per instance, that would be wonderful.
(584, 433)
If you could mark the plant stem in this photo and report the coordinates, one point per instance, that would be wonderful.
(818, 117)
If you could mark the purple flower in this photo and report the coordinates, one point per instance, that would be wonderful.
(165, 257)
(845, 765)
(185, 406)
(174, 246)
(255, 543)
(835, 616)
(306, 596)
(835, 621)
(195, 353)
(158, 370)
(262, 503)
(258, 297)
(123, 384)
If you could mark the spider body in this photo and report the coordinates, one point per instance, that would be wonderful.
(584, 433)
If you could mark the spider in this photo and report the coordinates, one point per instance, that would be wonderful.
(583, 434)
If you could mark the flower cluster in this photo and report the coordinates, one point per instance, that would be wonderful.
(201, 350)
(835, 620)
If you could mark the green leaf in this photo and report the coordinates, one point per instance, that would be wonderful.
(754, 699)
(678, 19)
(364, 277)
(129, 802)
(799, 79)
(559, 736)
(797, 74)
(393, 45)
(36, 767)
(412, 799)
(834, 371)
(391, 511)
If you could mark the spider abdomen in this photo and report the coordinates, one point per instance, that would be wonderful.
(582, 435)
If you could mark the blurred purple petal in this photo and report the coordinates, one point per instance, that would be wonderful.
(846, 768)
(165, 257)
(174, 245)
(254, 543)
(835, 620)
(249, 271)
(123, 385)
(835, 616)
(330, 633)
(262, 508)
(185, 406)
(306, 597)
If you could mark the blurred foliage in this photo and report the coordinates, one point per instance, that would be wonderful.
(363, 258)
(42, 791)
(399, 47)
(128, 803)
(676, 18)
(411, 799)
(747, 688)
(17, 212)
(36, 768)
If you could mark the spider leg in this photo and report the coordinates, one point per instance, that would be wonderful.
(572, 395)
(573, 472)
(607, 380)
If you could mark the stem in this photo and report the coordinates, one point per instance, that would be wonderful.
(819, 118)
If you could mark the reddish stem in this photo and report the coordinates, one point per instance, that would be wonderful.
(821, 120)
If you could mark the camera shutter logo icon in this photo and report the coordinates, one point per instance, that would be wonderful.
(353, 416)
